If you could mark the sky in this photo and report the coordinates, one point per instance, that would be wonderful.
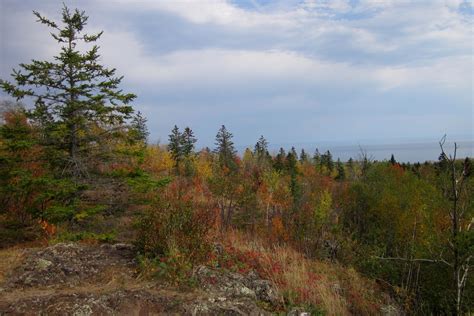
(342, 72)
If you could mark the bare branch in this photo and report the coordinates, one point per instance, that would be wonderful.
(414, 260)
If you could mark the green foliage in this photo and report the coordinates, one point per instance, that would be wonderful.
(175, 268)
(73, 96)
(143, 182)
(181, 147)
(174, 227)
(341, 171)
(27, 190)
(225, 149)
(138, 128)
(84, 236)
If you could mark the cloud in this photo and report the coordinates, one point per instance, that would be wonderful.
(333, 69)
(248, 69)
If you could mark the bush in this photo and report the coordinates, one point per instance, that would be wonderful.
(174, 231)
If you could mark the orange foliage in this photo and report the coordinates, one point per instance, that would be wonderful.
(278, 232)
(48, 228)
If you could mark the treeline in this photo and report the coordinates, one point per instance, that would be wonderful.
(408, 226)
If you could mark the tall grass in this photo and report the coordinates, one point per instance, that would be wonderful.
(303, 282)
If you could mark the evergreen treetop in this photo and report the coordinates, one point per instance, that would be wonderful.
(225, 148)
(188, 140)
(73, 94)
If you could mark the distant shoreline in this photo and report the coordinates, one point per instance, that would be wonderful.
(403, 152)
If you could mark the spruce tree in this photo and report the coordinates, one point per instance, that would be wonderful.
(187, 142)
(329, 161)
(303, 156)
(350, 167)
(317, 159)
(261, 149)
(73, 94)
(279, 163)
(341, 172)
(291, 165)
(392, 160)
(175, 144)
(225, 148)
(294, 153)
(139, 128)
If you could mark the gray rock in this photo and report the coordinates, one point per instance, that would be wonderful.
(43, 264)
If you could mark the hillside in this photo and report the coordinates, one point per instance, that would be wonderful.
(84, 279)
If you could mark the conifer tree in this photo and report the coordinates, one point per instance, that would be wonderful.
(317, 160)
(175, 144)
(303, 156)
(279, 163)
(292, 169)
(261, 146)
(73, 94)
(341, 172)
(187, 142)
(225, 148)
(350, 163)
(139, 128)
(392, 160)
(261, 149)
(294, 153)
(329, 163)
(350, 167)
(291, 161)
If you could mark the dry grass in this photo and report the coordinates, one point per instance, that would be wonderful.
(300, 281)
(9, 259)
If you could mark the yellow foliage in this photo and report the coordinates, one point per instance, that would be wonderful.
(203, 165)
(158, 161)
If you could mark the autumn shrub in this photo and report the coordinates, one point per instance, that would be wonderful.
(30, 194)
(174, 231)
(317, 286)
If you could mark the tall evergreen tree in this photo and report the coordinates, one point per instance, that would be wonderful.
(328, 162)
(187, 142)
(341, 172)
(392, 160)
(317, 159)
(303, 156)
(291, 166)
(294, 153)
(175, 144)
(350, 167)
(139, 128)
(261, 147)
(279, 163)
(73, 94)
(225, 148)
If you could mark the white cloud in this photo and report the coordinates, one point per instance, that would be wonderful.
(219, 12)
(234, 69)
(309, 60)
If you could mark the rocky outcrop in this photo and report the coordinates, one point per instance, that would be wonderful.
(230, 284)
(70, 264)
(77, 279)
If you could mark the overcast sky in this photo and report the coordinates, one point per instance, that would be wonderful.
(294, 71)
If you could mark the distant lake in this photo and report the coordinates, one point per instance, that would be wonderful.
(408, 152)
